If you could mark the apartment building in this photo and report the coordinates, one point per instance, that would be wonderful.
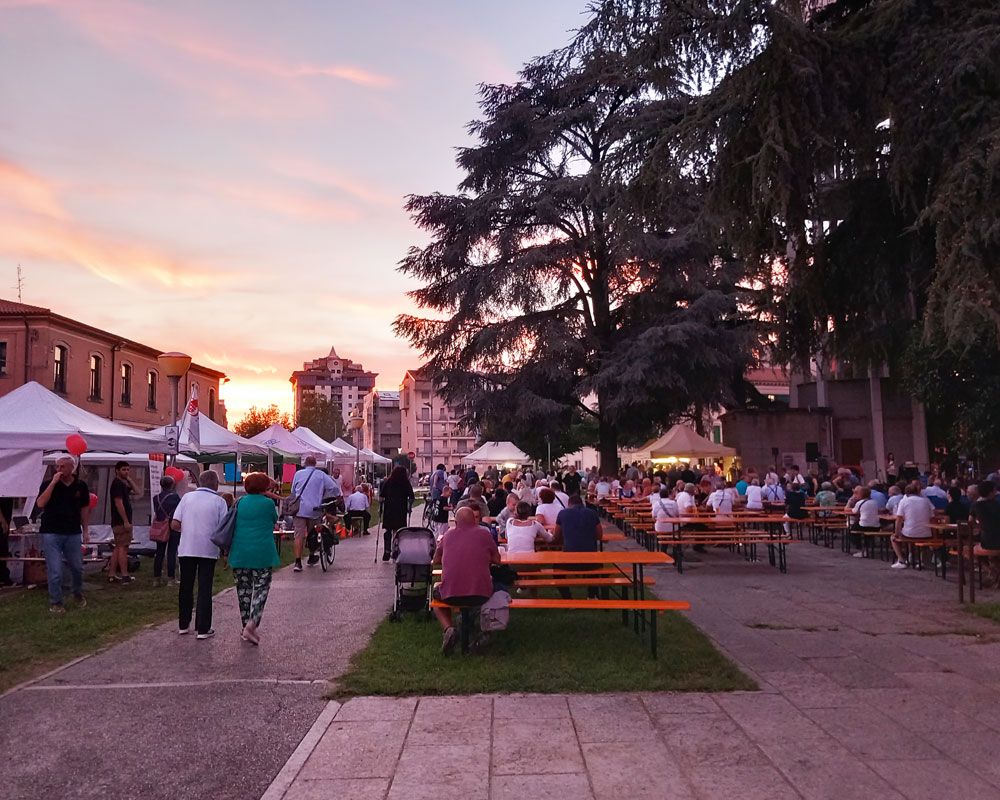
(382, 432)
(429, 426)
(101, 372)
(340, 380)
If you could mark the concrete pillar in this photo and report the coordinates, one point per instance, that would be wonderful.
(878, 421)
(921, 455)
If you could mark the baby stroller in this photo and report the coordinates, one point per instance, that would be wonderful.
(412, 550)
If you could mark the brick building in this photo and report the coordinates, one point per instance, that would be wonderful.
(429, 426)
(101, 372)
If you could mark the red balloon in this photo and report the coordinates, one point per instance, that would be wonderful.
(93, 500)
(76, 444)
(175, 473)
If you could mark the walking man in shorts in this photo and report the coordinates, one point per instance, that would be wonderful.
(310, 485)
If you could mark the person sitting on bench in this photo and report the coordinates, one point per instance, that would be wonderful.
(357, 505)
(578, 528)
(465, 554)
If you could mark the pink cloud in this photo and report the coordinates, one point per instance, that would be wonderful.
(35, 225)
(325, 175)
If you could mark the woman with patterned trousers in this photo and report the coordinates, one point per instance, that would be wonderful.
(253, 553)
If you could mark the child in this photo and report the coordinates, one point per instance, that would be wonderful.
(439, 512)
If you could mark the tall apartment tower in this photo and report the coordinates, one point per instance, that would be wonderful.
(429, 426)
(340, 380)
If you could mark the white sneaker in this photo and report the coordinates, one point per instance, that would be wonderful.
(859, 554)
(207, 635)
(898, 565)
(184, 631)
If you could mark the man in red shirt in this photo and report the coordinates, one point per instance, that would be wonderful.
(465, 554)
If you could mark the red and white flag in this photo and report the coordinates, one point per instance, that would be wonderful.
(191, 421)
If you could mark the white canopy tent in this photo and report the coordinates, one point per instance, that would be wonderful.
(332, 453)
(497, 453)
(213, 439)
(282, 439)
(33, 418)
(682, 443)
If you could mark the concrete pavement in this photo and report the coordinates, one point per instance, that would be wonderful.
(165, 716)
(874, 684)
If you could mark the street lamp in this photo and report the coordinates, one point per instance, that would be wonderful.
(355, 421)
(175, 367)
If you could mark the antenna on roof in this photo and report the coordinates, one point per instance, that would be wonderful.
(20, 283)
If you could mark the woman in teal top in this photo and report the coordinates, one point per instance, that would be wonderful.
(253, 553)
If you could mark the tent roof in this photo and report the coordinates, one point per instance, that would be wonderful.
(682, 442)
(33, 418)
(313, 439)
(213, 439)
(366, 454)
(497, 453)
(279, 437)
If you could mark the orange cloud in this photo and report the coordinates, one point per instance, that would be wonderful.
(35, 225)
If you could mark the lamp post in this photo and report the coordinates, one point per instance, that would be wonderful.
(430, 427)
(355, 421)
(175, 367)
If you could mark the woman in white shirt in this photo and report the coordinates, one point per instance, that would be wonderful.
(548, 507)
(755, 496)
(866, 512)
(523, 533)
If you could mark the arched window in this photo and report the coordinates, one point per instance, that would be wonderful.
(96, 369)
(126, 384)
(151, 390)
(59, 358)
(211, 404)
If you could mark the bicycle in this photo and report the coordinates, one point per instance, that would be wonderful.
(324, 534)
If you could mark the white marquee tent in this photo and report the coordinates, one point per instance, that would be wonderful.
(367, 456)
(497, 453)
(331, 452)
(683, 443)
(33, 418)
(213, 439)
(282, 439)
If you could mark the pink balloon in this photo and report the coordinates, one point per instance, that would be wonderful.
(93, 500)
(76, 444)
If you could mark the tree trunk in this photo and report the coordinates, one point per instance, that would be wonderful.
(699, 419)
(607, 439)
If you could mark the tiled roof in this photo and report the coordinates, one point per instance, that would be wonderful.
(12, 308)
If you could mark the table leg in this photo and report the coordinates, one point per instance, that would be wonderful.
(652, 633)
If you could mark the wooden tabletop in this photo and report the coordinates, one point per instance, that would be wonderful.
(606, 557)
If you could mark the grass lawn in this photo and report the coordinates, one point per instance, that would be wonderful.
(988, 610)
(542, 651)
(32, 640)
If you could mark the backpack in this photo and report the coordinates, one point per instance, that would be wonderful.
(495, 613)
(159, 530)
(222, 536)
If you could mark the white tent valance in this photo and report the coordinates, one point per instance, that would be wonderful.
(497, 453)
(33, 418)
(279, 437)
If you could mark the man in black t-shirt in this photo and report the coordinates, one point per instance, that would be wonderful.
(120, 493)
(578, 528)
(65, 503)
(571, 481)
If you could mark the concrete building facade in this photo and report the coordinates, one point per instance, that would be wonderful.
(101, 372)
(429, 426)
(382, 431)
(340, 380)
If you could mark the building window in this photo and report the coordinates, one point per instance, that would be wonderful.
(126, 384)
(425, 430)
(425, 413)
(3, 358)
(96, 367)
(151, 390)
(59, 357)
(211, 404)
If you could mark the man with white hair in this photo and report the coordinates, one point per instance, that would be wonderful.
(65, 506)
(197, 517)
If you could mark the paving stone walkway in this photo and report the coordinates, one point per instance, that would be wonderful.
(873, 684)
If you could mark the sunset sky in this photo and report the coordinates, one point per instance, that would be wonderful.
(227, 178)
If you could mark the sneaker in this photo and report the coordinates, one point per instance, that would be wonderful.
(207, 634)
(114, 579)
(859, 554)
(127, 578)
(57, 609)
(898, 565)
(184, 631)
(298, 565)
(448, 641)
(312, 561)
(385, 556)
(81, 601)
(173, 582)
(158, 582)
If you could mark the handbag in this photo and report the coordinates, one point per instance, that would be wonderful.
(290, 505)
(159, 530)
(222, 536)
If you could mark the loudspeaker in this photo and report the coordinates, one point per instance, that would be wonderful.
(812, 451)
